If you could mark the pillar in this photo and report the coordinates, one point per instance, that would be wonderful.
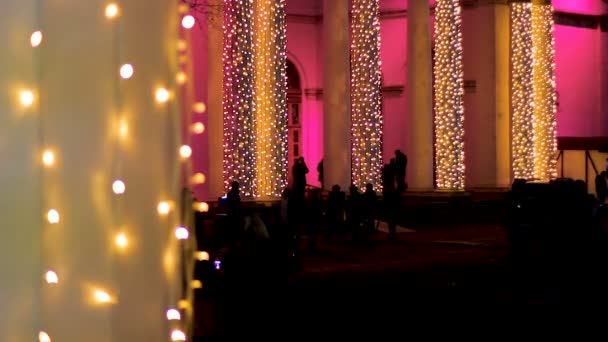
(486, 69)
(215, 118)
(336, 94)
(420, 96)
(80, 129)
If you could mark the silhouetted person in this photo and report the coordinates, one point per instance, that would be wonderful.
(353, 211)
(388, 178)
(314, 217)
(321, 175)
(601, 184)
(335, 209)
(299, 172)
(370, 201)
(233, 210)
(400, 168)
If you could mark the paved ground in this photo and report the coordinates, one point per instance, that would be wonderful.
(452, 279)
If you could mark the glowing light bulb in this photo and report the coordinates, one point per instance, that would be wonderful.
(181, 233)
(197, 284)
(201, 207)
(199, 107)
(185, 151)
(121, 240)
(183, 304)
(173, 315)
(48, 158)
(181, 77)
(123, 128)
(112, 11)
(198, 178)
(162, 95)
(188, 22)
(182, 45)
(178, 335)
(126, 71)
(119, 187)
(51, 277)
(183, 8)
(198, 128)
(36, 39)
(202, 256)
(102, 296)
(44, 337)
(163, 208)
(26, 97)
(53, 216)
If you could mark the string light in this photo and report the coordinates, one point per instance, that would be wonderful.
(119, 187)
(366, 92)
(182, 45)
(36, 39)
(121, 240)
(188, 22)
(181, 233)
(48, 158)
(178, 335)
(181, 78)
(112, 11)
(162, 95)
(126, 71)
(43, 337)
(449, 92)
(185, 151)
(198, 128)
(123, 128)
(197, 284)
(543, 71)
(163, 208)
(53, 216)
(102, 297)
(202, 256)
(199, 107)
(26, 97)
(51, 277)
(173, 315)
(521, 91)
(202, 207)
(198, 178)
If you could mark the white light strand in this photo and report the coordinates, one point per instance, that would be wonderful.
(545, 123)
(366, 94)
(522, 129)
(449, 91)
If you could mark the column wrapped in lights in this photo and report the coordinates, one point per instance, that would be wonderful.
(544, 98)
(255, 88)
(366, 92)
(522, 129)
(270, 96)
(239, 107)
(449, 91)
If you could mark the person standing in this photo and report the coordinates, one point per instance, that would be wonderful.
(400, 169)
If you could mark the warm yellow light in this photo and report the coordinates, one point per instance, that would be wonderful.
(162, 95)
(188, 21)
(199, 107)
(181, 77)
(26, 97)
(202, 207)
(48, 158)
(198, 178)
(178, 335)
(51, 277)
(185, 151)
(44, 337)
(126, 71)
(121, 241)
(198, 128)
(182, 45)
(197, 284)
(183, 304)
(181, 233)
(183, 8)
(202, 256)
(102, 297)
(53, 216)
(163, 208)
(119, 187)
(36, 39)
(123, 128)
(112, 11)
(173, 315)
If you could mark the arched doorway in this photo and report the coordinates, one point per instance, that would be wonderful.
(294, 110)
